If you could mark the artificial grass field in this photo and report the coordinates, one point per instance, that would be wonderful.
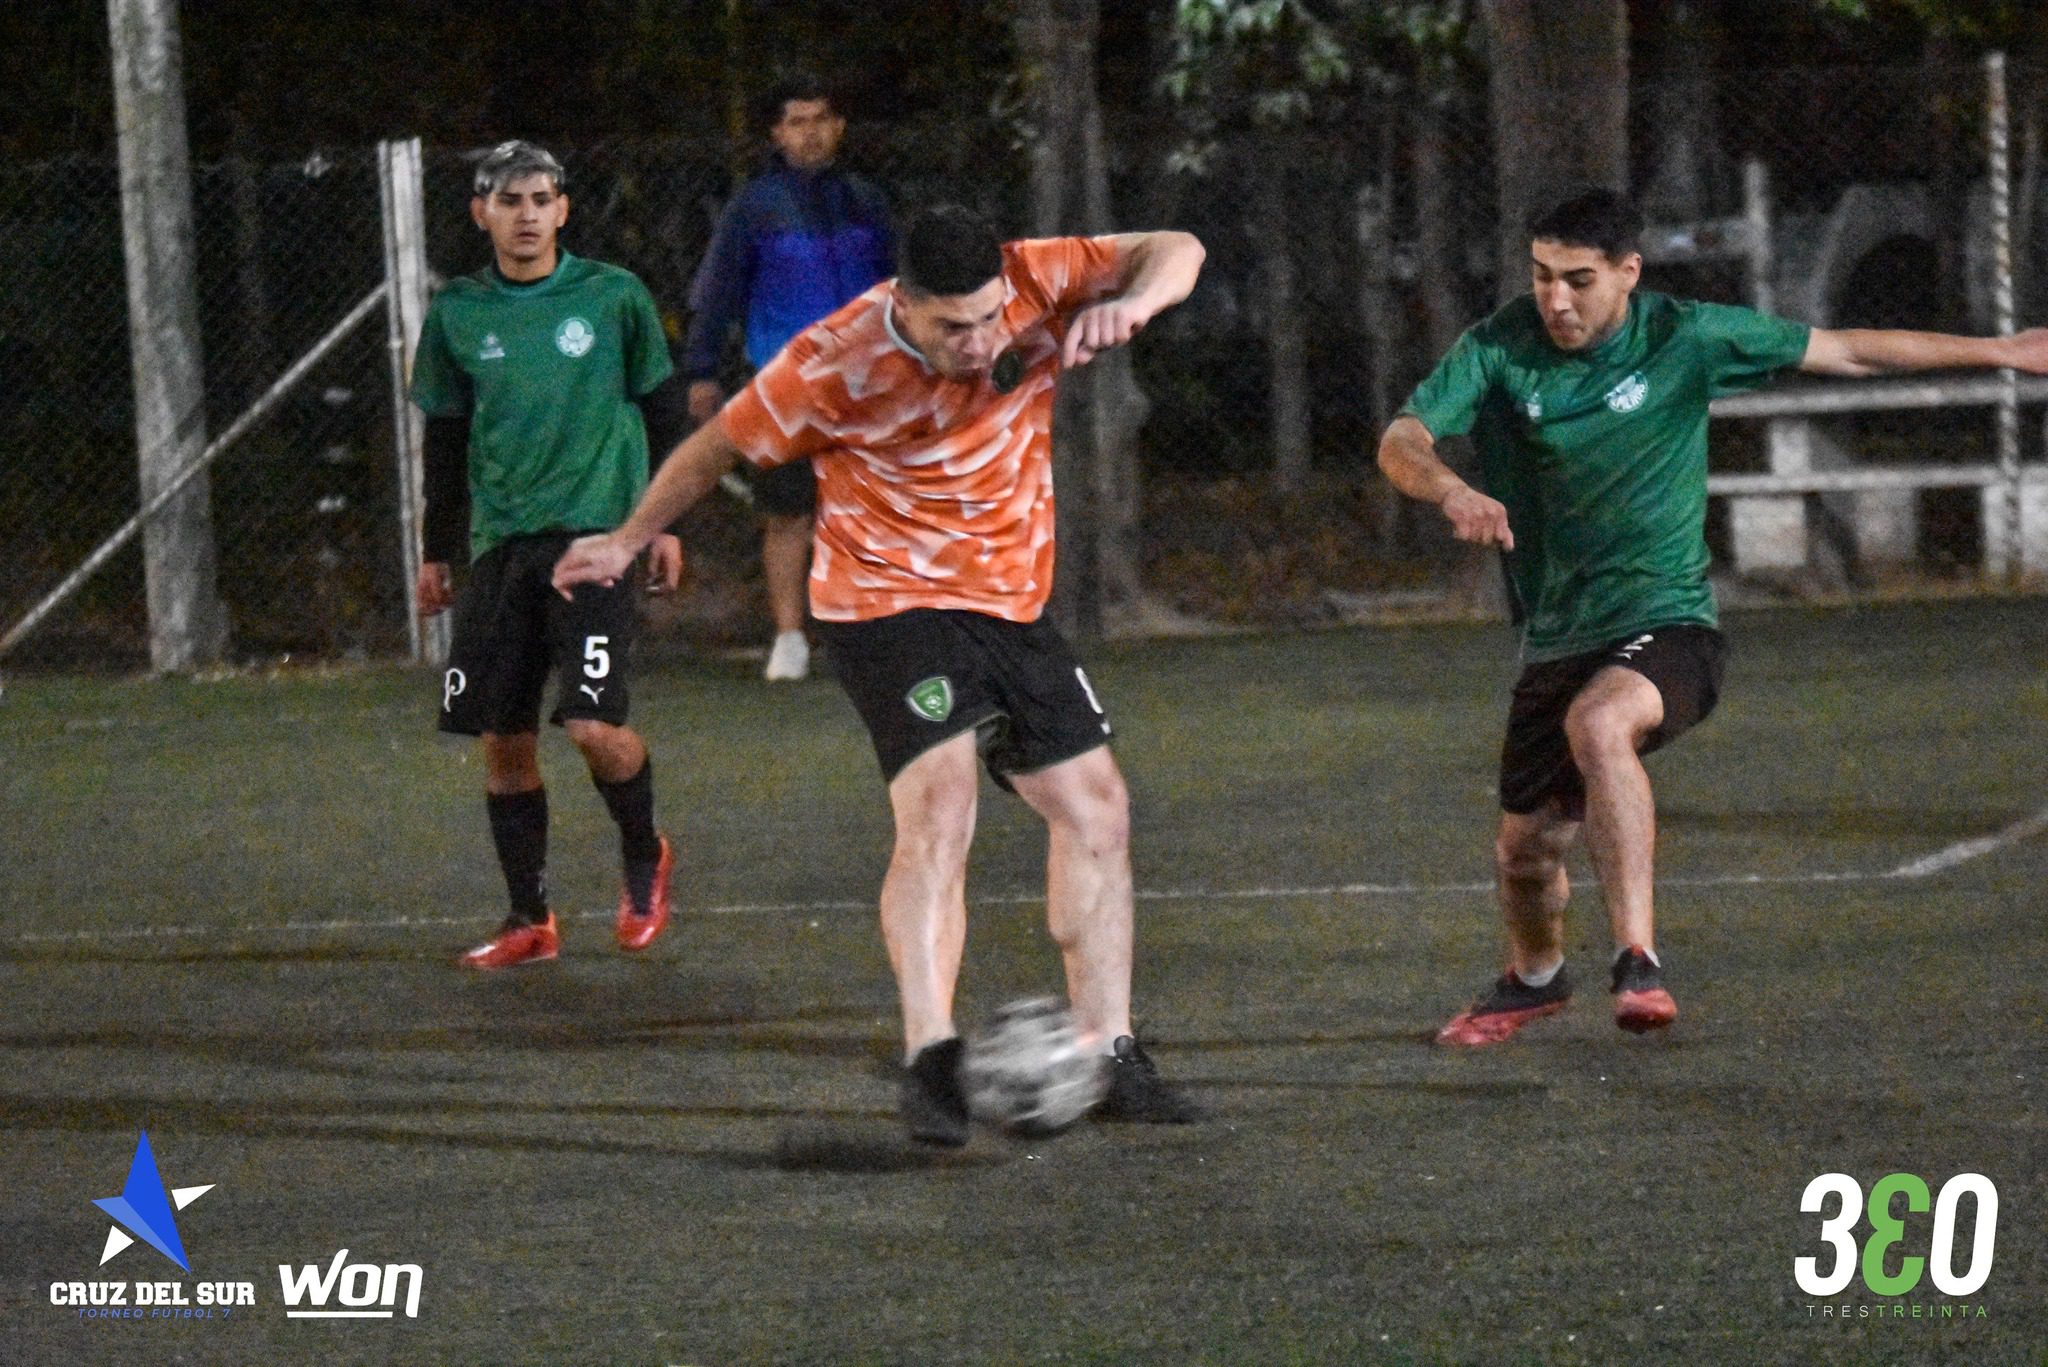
(228, 912)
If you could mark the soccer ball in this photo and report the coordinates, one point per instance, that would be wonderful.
(1026, 1072)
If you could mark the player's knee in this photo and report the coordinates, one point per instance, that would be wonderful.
(937, 838)
(935, 823)
(1100, 810)
(1598, 733)
(1527, 856)
(1113, 815)
(1088, 799)
(592, 736)
(1112, 830)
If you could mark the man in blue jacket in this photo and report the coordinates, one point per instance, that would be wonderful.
(794, 244)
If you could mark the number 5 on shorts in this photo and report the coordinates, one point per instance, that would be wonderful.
(597, 661)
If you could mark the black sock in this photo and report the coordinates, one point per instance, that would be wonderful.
(519, 828)
(631, 803)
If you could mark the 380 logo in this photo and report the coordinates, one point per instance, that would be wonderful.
(1888, 1231)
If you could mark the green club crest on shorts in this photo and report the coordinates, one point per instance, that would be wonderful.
(932, 699)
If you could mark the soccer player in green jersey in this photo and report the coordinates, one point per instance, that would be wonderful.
(1587, 401)
(534, 374)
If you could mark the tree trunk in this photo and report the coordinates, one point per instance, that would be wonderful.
(1439, 226)
(1100, 408)
(187, 621)
(1559, 92)
(1285, 319)
(1686, 180)
(1380, 314)
(1438, 271)
(1558, 88)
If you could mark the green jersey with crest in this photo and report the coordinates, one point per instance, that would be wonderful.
(1600, 456)
(547, 372)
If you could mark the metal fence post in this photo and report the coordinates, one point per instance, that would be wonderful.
(2009, 533)
(401, 179)
(1756, 213)
(187, 621)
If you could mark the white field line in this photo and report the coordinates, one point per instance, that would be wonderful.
(1941, 861)
(1963, 851)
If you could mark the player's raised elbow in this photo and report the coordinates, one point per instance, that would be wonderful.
(1181, 255)
(1831, 351)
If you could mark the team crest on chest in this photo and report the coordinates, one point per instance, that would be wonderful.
(491, 349)
(1628, 396)
(574, 337)
(1533, 406)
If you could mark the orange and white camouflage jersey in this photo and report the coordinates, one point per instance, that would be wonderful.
(932, 493)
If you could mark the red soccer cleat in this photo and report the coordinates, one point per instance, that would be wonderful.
(1506, 1008)
(637, 930)
(1640, 1002)
(517, 942)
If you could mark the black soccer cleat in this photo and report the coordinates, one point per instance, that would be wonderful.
(932, 1103)
(1506, 1008)
(1137, 1094)
(1641, 1003)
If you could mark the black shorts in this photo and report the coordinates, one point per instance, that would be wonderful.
(1684, 662)
(512, 629)
(785, 491)
(924, 676)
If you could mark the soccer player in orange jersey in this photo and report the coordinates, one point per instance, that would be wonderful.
(925, 407)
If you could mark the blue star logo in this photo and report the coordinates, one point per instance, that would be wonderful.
(143, 1209)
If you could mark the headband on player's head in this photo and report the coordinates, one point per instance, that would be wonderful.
(515, 160)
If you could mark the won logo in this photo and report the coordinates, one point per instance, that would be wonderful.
(359, 1291)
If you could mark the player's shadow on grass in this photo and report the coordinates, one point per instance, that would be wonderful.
(848, 1140)
(370, 1051)
(731, 1017)
(841, 1148)
(1495, 1089)
(147, 952)
(1315, 1040)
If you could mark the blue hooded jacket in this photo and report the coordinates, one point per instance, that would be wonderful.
(791, 247)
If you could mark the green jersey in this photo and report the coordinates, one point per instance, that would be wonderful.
(1600, 456)
(547, 373)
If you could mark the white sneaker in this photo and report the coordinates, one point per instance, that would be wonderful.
(790, 659)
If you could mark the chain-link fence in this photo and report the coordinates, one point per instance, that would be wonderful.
(1344, 254)
(302, 506)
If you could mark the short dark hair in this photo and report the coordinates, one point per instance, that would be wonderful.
(1605, 220)
(514, 160)
(949, 249)
(794, 85)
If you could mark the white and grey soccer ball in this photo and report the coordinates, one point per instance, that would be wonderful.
(1026, 1072)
